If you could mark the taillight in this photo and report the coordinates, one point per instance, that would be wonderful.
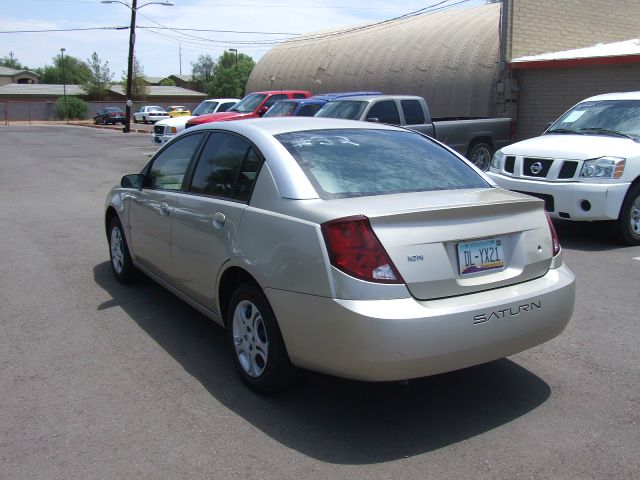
(112, 114)
(355, 250)
(554, 236)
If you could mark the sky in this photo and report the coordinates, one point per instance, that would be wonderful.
(250, 26)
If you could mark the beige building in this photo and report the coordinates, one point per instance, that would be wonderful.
(11, 75)
(469, 62)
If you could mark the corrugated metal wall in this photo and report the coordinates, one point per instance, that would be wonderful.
(450, 58)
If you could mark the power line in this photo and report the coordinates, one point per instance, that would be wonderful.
(64, 30)
(199, 41)
(145, 27)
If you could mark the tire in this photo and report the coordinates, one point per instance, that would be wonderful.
(95, 121)
(629, 219)
(480, 154)
(135, 120)
(144, 120)
(120, 259)
(256, 343)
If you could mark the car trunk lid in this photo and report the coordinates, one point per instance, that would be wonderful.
(503, 237)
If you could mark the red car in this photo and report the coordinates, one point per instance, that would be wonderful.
(253, 105)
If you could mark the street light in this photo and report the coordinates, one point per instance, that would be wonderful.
(64, 82)
(132, 40)
(235, 50)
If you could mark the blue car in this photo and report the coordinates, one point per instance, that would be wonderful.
(307, 107)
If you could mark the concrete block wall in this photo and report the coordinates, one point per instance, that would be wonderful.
(547, 93)
(541, 26)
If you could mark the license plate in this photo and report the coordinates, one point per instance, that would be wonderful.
(480, 256)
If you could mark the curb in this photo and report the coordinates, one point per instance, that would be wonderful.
(109, 127)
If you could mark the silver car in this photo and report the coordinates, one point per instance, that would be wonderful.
(360, 250)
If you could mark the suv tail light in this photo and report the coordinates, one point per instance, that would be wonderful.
(355, 250)
(554, 236)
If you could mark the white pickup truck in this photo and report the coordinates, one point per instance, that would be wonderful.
(585, 166)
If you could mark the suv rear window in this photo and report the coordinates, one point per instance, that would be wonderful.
(345, 163)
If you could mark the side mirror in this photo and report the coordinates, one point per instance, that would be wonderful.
(135, 180)
(263, 110)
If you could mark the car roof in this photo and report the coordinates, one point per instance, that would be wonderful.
(302, 100)
(333, 96)
(615, 96)
(366, 98)
(221, 100)
(272, 92)
(278, 125)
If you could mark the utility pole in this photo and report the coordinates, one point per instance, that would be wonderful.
(64, 83)
(180, 57)
(132, 40)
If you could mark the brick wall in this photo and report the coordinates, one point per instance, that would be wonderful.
(547, 93)
(541, 26)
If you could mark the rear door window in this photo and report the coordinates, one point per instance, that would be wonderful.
(226, 106)
(309, 110)
(385, 112)
(413, 113)
(227, 167)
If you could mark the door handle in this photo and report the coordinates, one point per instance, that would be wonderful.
(219, 219)
(164, 208)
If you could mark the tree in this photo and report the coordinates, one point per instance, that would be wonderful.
(12, 62)
(229, 81)
(76, 72)
(139, 89)
(98, 84)
(203, 73)
(167, 82)
(71, 107)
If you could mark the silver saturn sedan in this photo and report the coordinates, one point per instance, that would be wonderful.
(360, 250)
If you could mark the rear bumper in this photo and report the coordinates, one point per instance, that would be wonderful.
(385, 340)
(604, 199)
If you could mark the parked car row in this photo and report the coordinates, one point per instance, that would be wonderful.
(475, 138)
(165, 130)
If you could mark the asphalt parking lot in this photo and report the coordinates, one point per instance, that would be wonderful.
(100, 380)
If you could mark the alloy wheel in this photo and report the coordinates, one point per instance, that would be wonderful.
(117, 250)
(250, 338)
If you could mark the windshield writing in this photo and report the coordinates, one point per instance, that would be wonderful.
(619, 118)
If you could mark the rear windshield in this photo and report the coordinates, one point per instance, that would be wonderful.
(360, 162)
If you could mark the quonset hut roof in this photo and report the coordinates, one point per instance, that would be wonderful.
(450, 58)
